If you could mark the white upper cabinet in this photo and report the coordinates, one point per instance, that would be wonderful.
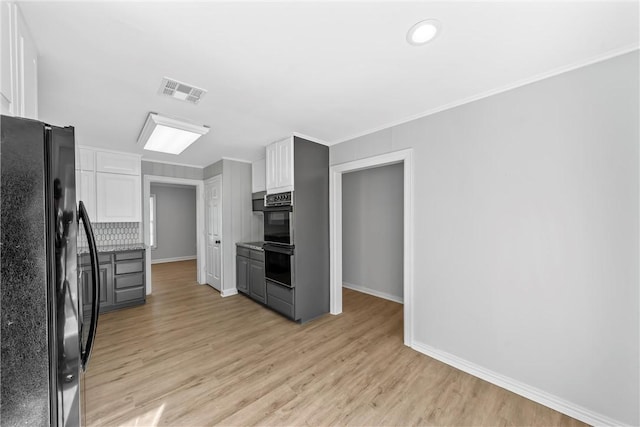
(7, 73)
(27, 70)
(271, 167)
(279, 165)
(258, 176)
(109, 184)
(118, 197)
(117, 163)
(86, 180)
(86, 159)
(86, 191)
(19, 73)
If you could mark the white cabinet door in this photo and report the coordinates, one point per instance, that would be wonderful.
(19, 62)
(86, 187)
(117, 163)
(258, 176)
(272, 167)
(8, 71)
(118, 197)
(86, 159)
(285, 164)
(280, 166)
(27, 70)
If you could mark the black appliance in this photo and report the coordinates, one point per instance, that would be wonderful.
(257, 201)
(279, 265)
(43, 350)
(278, 219)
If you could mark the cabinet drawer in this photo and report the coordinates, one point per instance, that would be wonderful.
(257, 255)
(102, 259)
(125, 295)
(128, 255)
(124, 267)
(129, 280)
(281, 292)
(240, 251)
(280, 306)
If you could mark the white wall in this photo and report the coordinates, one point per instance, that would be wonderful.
(372, 214)
(527, 233)
(175, 221)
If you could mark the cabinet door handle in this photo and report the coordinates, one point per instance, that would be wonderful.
(217, 242)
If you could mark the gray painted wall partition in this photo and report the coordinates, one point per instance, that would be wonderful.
(372, 228)
(237, 216)
(173, 171)
(527, 235)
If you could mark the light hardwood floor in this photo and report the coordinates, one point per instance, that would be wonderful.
(191, 358)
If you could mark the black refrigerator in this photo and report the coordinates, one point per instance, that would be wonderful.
(46, 342)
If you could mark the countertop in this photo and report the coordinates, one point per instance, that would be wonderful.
(113, 248)
(256, 246)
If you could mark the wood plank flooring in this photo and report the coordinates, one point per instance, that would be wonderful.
(191, 358)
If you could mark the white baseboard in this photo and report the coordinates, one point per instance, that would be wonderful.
(180, 258)
(373, 292)
(228, 292)
(525, 390)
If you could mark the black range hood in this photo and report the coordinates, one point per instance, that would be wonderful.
(257, 201)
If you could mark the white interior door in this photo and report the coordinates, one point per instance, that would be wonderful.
(213, 230)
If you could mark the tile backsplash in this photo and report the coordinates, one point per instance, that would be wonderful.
(112, 233)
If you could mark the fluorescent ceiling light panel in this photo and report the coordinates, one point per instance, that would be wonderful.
(168, 135)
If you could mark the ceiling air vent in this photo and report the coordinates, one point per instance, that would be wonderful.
(181, 91)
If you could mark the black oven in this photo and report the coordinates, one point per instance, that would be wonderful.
(278, 218)
(279, 265)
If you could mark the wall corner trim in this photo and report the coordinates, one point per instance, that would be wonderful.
(228, 292)
(539, 396)
(174, 259)
(375, 293)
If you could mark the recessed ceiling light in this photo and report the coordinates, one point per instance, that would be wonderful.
(423, 32)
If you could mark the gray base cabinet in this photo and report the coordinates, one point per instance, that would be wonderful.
(122, 281)
(250, 280)
(250, 274)
(281, 299)
(86, 281)
(257, 288)
(242, 279)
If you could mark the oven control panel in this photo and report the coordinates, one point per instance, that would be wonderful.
(279, 199)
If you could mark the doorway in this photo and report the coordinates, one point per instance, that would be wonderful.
(172, 217)
(372, 221)
(335, 230)
(200, 241)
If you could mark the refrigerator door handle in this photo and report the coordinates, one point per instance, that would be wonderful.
(95, 273)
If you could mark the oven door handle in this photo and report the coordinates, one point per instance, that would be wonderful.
(287, 250)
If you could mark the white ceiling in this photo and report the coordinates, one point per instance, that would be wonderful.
(330, 70)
